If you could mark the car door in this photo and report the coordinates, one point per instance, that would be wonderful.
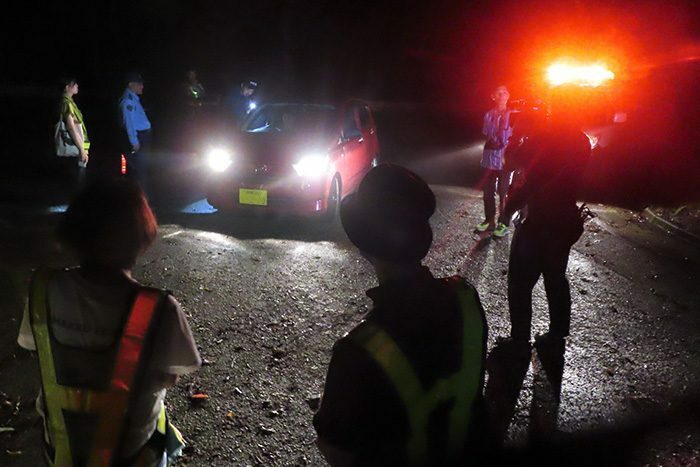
(369, 135)
(354, 149)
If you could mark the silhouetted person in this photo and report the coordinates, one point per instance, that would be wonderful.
(241, 102)
(193, 89)
(555, 160)
(404, 387)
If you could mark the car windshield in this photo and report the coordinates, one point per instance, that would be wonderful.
(290, 118)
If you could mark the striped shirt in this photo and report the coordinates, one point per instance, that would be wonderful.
(498, 131)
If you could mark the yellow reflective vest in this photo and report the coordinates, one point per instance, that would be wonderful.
(464, 387)
(109, 406)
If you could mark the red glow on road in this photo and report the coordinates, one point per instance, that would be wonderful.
(593, 75)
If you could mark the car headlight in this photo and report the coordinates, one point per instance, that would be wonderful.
(311, 165)
(219, 159)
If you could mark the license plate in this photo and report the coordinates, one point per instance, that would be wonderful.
(254, 197)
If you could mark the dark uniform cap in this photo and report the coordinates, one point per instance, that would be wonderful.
(134, 77)
(249, 84)
(387, 217)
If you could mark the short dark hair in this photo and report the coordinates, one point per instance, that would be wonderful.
(109, 223)
(67, 80)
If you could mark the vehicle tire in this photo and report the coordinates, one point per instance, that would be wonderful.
(333, 205)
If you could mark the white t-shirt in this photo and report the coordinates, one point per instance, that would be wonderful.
(89, 315)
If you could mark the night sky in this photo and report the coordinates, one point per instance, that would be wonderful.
(375, 49)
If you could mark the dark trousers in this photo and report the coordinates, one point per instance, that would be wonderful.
(72, 176)
(137, 162)
(495, 181)
(533, 254)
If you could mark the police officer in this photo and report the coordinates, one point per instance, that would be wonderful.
(556, 158)
(241, 101)
(404, 387)
(137, 129)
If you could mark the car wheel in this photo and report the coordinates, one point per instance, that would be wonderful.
(333, 205)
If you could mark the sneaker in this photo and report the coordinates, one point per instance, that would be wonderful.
(501, 230)
(483, 227)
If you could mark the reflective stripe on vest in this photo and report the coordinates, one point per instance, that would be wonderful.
(462, 387)
(111, 404)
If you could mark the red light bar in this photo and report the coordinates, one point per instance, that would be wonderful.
(593, 75)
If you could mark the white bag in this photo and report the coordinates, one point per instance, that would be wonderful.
(65, 147)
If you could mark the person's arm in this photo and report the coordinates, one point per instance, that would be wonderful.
(127, 108)
(76, 136)
(357, 409)
(167, 380)
(177, 353)
(519, 195)
(486, 128)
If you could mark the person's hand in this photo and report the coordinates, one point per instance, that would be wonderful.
(84, 157)
(135, 147)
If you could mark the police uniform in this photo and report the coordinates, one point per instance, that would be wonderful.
(404, 386)
(138, 132)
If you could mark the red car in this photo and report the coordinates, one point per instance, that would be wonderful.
(299, 159)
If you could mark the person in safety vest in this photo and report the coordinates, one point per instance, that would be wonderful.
(108, 347)
(194, 89)
(74, 151)
(404, 387)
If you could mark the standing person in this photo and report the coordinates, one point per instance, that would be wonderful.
(74, 133)
(241, 101)
(404, 387)
(498, 130)
(193, 89)
(137, 129)
(108, 347)
(556, 159)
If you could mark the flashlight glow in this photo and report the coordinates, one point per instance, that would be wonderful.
(582, 75)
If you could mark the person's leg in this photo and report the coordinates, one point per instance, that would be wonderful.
(523, 272)
(133, 165)
(145, 155)
(490, 196)
(504, 178)
(558, 291)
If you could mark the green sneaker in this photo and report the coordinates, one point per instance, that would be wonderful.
(501, 230)
(483, 227)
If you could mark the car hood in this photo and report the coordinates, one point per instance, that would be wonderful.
(278, 151)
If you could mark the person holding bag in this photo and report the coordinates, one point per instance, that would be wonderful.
(71, 138)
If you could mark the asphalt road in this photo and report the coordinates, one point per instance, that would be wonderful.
(267, 298)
